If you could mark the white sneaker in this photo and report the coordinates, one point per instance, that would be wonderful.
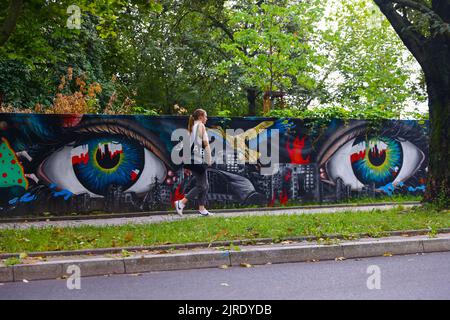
(205, 213)
(179, 206)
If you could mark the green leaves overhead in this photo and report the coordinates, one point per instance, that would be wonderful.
(271, 43)
(173, 56)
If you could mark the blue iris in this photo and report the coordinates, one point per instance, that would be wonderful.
(379, 163)
(109, 160)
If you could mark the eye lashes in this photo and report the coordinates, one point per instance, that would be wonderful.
(400, 130)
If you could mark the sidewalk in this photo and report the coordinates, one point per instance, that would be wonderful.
(55, 267)
(116, 221)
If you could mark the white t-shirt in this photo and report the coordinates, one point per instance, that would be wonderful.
(197, 140)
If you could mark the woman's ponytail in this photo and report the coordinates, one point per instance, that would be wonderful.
(191, 122)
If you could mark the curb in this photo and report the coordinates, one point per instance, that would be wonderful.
(194, 212)
(215, 244)
(212, 258)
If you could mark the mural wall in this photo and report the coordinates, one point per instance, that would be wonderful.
(82, 163)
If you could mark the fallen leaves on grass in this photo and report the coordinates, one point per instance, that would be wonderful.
(125, 253)
(161, 251)
(246, 265)
(129, 237)
(23, 255)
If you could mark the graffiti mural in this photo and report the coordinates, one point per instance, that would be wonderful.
(83, 163)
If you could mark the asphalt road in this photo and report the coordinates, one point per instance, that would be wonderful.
(424, 276)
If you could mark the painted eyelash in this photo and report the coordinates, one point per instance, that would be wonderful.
(394, 130)
(143, 136)
(399, 130)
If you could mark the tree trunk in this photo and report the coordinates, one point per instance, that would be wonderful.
(438, 185)
(252, 93)
(437, 75)
(433, 54)
(15, 9)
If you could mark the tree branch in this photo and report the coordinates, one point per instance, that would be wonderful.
(226, 30)
(217, 23)
(413, 40)
(427, 11)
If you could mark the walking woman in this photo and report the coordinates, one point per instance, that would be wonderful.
(201, 154)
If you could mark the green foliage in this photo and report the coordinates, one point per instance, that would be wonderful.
(271, 46)
(32, 77)
(12, 261)
(372, 72)
(144, 111)
(152, 56)
(42, 48)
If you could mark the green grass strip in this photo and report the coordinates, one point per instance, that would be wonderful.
(219, 228)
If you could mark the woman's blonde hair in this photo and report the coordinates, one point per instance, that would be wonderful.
(194, 116)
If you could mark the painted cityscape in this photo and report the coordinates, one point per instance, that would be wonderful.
(62, 164)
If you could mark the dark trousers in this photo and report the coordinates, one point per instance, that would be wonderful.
(200, 190)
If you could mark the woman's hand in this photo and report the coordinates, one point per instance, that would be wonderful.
(207, 148)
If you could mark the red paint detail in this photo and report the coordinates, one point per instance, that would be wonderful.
(71, 120)
(4, 175)
(177, 195)
(82, 159)
(358, 156)
(19, 181)
(393, 172)
(1, 155)
(13, 161)
(283, 197)
(288, 175)
(271, 203)
(115, 153)
(134, 175)
(111, 155)
(295, 153)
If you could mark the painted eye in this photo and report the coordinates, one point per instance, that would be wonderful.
(374, 160)
(92, 165)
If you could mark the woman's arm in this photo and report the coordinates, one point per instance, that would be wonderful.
(205, 139)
